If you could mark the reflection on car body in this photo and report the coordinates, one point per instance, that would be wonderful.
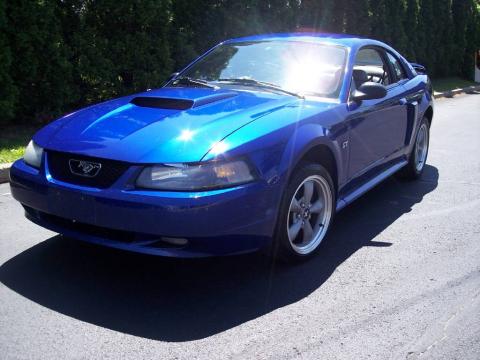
(256, 144)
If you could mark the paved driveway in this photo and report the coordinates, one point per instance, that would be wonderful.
(399, 277)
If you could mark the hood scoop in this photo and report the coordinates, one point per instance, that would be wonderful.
(162, 103)
(179, 104)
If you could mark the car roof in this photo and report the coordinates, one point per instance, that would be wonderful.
(339, 39)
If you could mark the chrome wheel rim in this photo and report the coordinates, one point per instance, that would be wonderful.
(421, 147)
(309, 214)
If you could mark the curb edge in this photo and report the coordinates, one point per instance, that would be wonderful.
(5, 172)
(452, 93)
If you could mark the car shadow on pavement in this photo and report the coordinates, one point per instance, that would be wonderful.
(182, 300)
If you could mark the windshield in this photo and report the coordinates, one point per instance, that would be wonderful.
(300, 67)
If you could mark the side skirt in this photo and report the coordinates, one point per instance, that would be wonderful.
(355, 194)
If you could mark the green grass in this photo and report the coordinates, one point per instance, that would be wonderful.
(451, 83)
(13, 140)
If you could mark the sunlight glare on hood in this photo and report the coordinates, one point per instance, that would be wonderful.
(219, 148)
(186, 135)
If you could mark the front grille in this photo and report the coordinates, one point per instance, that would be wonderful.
(60, 169)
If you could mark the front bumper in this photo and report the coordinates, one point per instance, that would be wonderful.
(220, 222)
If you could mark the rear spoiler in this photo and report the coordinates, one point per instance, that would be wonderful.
(420, 69)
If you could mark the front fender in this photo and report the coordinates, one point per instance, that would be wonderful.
(277, 142)
(307, 137)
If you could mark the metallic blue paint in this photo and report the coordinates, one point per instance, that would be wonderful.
(272, 130)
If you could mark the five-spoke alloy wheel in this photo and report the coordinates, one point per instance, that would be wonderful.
(306, 213)
(310, 210)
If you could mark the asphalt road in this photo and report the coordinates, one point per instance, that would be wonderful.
(398, 278)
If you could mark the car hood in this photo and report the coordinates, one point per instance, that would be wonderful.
(158, 126)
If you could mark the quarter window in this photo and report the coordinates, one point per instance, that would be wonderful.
(397, 67)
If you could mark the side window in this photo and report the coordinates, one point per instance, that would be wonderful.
(370, 66)
(397, 67)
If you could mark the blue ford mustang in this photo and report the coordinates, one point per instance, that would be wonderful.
(256, 144)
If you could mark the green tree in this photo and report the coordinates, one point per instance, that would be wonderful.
(70, 14)
(396, 36)
(8, 90)
(60, 54)
(410, 24)
(380, 26)
(472, 40)
(124, 47)
(459, 19)
(336, 17)
(318, 15)
(278, 15)
(357, 18)
(443, 40)
(427, 31)
(186, 17)
(41, 72)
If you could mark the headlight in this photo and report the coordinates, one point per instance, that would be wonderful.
(33, 155)
(207, 176)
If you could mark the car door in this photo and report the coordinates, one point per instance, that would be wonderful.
(377, 127)
(411, 94)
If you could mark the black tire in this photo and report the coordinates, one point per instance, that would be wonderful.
(282, 248)
(413, 170)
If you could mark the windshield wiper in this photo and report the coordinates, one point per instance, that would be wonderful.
(185, 80)
(263, 84)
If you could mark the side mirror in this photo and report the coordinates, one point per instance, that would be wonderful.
(370, 91)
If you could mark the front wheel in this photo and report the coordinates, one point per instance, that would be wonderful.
(306, 212)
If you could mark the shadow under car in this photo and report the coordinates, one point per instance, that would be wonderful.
(180, 300)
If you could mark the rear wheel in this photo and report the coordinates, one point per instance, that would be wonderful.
(306, 212)
(418, 157)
